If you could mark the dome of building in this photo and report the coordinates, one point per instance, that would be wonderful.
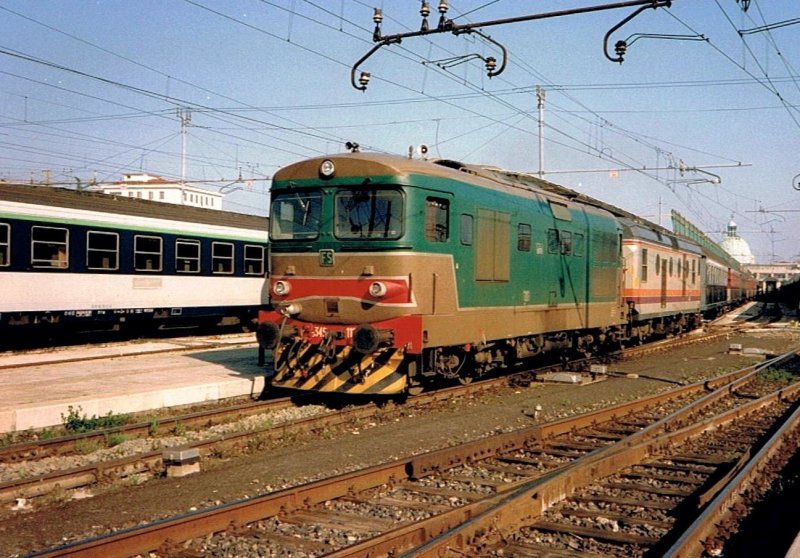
(736, 246)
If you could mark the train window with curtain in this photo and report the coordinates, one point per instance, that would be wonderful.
(437, 220)
(524, 237)
(644, 265)
(147, 253)
(187, 256)
(253, 259)
(102, 250)
(222, 257)
(49, 247)
(5, 244)
(466, 232)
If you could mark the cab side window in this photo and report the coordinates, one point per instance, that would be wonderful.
(437, 220)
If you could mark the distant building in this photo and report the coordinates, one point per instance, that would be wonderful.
(736, 246)
(775, 275)
(150, 187)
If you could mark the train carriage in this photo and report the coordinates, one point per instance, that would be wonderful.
(663, 280)
(388, 272)
(92, 261)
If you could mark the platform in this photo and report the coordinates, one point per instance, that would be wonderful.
(37, 389)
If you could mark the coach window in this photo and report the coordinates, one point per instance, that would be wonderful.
(5, 244)
(694, 272)
(578, 244)
(566, 243)
(102, 250)
(222, 257)
(253, 259)
(679, 269)
(524, 237)
(552, 241)
(437, 220)
(670, 267)
(49, 247)
(187, 256)
(644, 265)
(658, 264)
(147, 253)
(466, 226)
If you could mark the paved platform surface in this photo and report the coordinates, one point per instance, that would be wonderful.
(36, 390)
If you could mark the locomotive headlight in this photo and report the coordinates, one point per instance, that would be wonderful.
(378, 289)
(327, 168)
(281, 288)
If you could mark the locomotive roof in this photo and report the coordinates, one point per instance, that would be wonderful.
(377, 164)
(105, 203)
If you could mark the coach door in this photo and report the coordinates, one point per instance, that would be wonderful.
(663, 282)
(684, 276)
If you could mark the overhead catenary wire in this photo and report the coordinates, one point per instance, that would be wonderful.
(223, 118)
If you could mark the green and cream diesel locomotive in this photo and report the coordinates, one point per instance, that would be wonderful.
(387, 272)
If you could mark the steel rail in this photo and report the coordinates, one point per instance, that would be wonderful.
(200, 523)
(66, 445)
(202, 346)
(152, 462)
(690, 543)
(507, 513)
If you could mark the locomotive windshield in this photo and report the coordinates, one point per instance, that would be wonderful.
(368, 214)
(295, 216)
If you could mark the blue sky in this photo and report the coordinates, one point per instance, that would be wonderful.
(91, 89)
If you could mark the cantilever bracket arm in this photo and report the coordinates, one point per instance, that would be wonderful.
(621, 46)
(448, 25)
(489, 71)
(362, 85)
(491, 65)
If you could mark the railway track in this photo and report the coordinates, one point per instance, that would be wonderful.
(405, 504)
(67, 354)
(151, 463)
(639, 499)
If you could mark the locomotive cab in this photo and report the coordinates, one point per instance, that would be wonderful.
(348, 283)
